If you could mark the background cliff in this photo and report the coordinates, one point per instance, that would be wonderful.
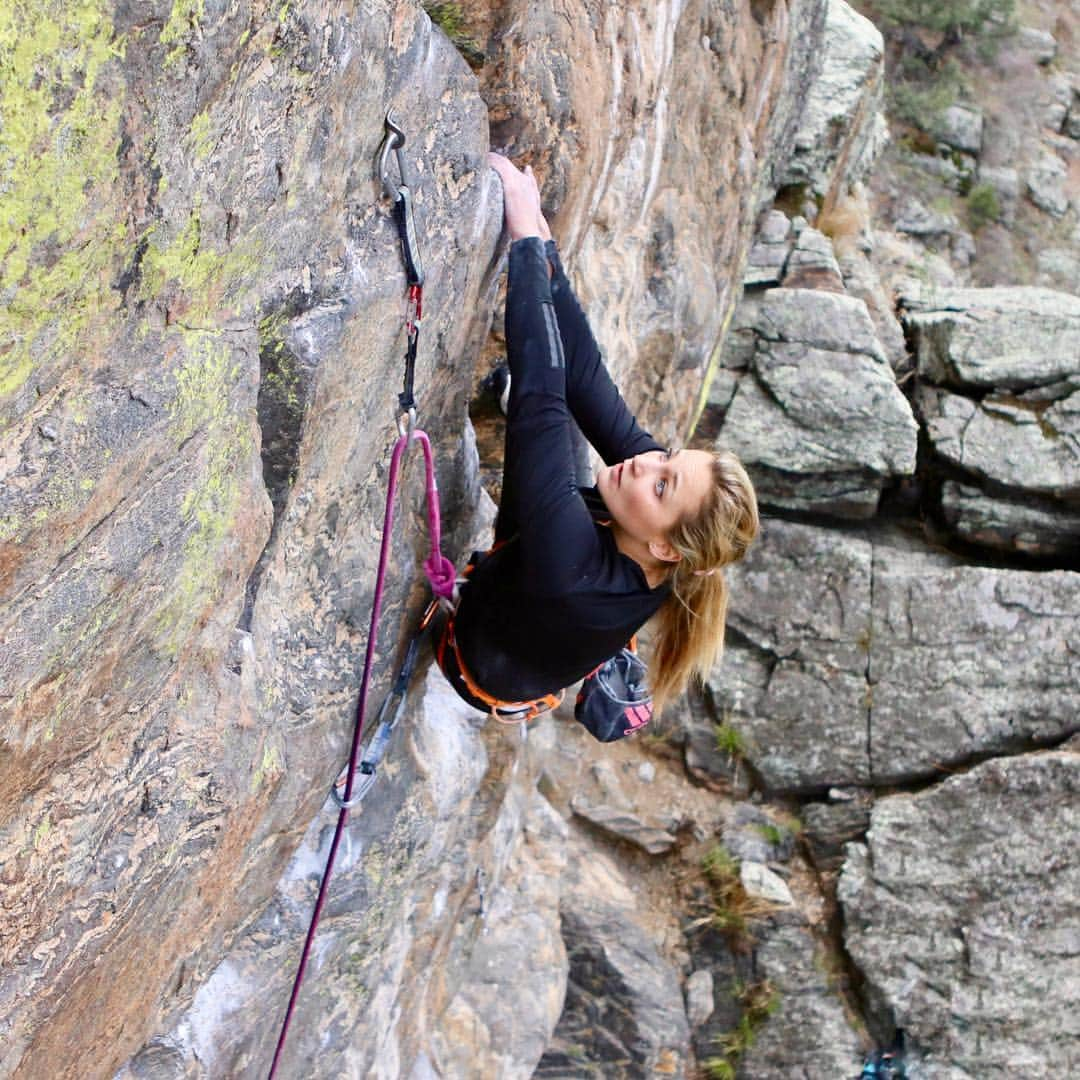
(200, 350)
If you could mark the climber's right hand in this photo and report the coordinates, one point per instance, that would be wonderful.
(521, 200)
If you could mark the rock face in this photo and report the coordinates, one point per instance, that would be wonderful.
(865, 661)
(201, 342)
(819, 420)
(961, 911)
(842, 129)
(171, 717)
(1005, 338)
(1000, 402)
(624, 1014)
(201, 349)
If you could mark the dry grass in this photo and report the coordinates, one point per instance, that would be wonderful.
(843, 221)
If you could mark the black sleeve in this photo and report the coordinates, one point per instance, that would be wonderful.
(594, 400)
(540, 500)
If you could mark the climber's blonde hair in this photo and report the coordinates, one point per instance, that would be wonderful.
(689, 634)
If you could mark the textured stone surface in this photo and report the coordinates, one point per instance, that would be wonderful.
(624, 1014)
(699, 997)
(793, 676)
(1026, 446)
(812, 264)
(830, 827)
(1040, 43)
(968, 660)
(652, 837)
(809, 1034)
(1009, 337)
(961, 128)
(170, 719)
(841, 124)
(1033, 526)
(205, 269)
(821, 423)
(961, 911)
(1005, 181)
(855, 661)
(1046, 184)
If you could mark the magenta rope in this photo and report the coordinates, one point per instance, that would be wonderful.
(441, 573)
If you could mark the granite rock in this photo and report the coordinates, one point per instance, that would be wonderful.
(841, 129)
(1028, 447)
(1047, 184)
(1036, 527)
(1007, 337)
(960, 127)
(960, 911)
(862, 662)
(821, 423)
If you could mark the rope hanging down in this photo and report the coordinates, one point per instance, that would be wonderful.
(439, 570)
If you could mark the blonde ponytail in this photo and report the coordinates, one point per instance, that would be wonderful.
(689, 634)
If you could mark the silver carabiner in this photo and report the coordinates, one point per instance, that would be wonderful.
(406, 424)
(394, 139)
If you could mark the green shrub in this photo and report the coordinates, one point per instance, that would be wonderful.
(729, 740)
(718, 1068)
(919, 94)
(955, 19)
(450, 19)
(982, 206)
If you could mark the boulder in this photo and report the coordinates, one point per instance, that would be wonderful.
(858, 661)
(623, 1014)
(1028, 447)
(830, 826)
(765, 264)
(961, 128)
(862, 281)
(1005, 181)
(821, 423)
(1058, 267)
(699, 997)
(1030, 526)
(793, 675)
(621, 824)
(841, 122)
(921, 221)
(809, 1032)
(507, 967)
(812, 264)
(1047, 181)
(960, 912)
(966, 661)
(1008, 337)
(761, 883)
(1041, 44)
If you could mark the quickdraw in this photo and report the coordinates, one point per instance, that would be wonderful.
(358, 776)
(401, 195)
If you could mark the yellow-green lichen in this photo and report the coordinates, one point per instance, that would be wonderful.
(204, 277)
(203, 404)
(269, 768)
(41, 833)
(183, 20)
(201, 136)
(61, 226)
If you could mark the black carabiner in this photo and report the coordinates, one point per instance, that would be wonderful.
(394, 140)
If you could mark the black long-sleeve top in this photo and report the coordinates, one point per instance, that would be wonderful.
(558, 598)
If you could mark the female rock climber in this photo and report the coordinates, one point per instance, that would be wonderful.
(575, 572)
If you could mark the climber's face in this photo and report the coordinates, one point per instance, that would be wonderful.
(647, 495)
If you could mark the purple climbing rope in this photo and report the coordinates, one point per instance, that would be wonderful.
(442, 575)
